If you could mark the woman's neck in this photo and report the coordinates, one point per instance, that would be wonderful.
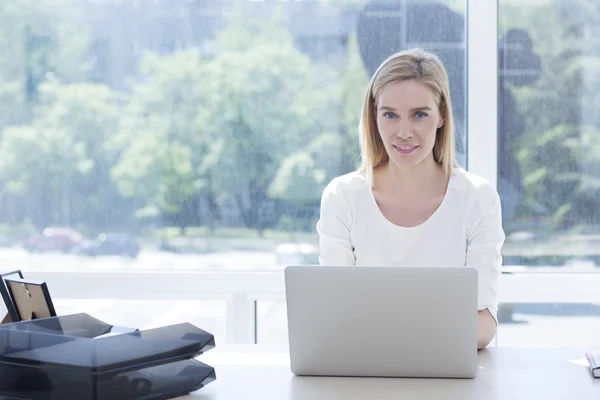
(423, 179)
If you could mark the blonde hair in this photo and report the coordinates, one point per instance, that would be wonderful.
(414, 64)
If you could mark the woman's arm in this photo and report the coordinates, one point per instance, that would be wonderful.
(486, 328)
(484, 245)
(333, 227)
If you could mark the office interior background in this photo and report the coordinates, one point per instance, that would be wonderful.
(162, 161)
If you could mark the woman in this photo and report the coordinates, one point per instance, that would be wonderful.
(410, 203)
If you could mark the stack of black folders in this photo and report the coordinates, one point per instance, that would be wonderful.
(78, 357)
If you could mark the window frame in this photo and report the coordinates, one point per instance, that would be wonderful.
(482, 88)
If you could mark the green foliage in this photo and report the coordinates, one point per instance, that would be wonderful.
(257, 126)
(558, 155)
(546, 181)
(352, 93)
(162, 133)
(265, 103)
(57, 168)
(298, 180)
(36, 44)
(346, 5)
(220, 128)
(303, 174)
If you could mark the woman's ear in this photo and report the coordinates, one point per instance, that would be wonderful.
(441, 104)
(441, 122)
(442, 119)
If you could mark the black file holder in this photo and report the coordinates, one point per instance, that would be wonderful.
(77, 357)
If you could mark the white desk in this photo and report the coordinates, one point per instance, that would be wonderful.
(248, 373)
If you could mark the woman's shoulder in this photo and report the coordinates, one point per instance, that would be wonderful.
(473, 186)
(346, 185)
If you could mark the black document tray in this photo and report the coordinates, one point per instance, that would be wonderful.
(65, 358)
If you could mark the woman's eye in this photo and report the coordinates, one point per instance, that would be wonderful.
(420, 114)
(388, 115)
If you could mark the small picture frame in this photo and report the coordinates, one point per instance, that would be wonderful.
(32, 299)
(12, 314)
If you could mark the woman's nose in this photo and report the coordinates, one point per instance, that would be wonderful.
(403, 132)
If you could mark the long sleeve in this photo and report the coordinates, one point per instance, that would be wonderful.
(333, 227)
(484, 244)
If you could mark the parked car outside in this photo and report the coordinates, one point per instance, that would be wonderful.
(61, 239)
(115, 244)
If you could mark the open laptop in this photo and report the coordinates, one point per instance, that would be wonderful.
(382, 321)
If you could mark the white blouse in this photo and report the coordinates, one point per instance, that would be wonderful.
(466, 229)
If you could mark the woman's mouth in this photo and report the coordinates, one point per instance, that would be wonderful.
(405, 149)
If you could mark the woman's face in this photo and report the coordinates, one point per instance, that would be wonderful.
(407, 119)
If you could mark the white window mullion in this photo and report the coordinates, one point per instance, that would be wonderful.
(482, 88)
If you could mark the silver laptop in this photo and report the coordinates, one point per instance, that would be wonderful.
(382, 321)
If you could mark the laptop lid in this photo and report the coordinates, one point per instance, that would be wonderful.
(382, 321)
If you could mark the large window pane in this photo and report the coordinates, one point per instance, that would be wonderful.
(549, 159)
(192, 135)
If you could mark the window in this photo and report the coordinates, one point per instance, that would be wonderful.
(162, 161)
(548, 165)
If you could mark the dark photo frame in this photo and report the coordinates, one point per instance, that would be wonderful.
(12, 315)
(32, 299)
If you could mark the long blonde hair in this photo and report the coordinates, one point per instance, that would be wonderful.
(414, 64)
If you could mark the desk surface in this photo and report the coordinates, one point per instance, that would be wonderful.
(249, 373)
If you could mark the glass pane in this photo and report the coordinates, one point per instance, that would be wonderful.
(272, 326)
(549, 159)
(191, 135)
